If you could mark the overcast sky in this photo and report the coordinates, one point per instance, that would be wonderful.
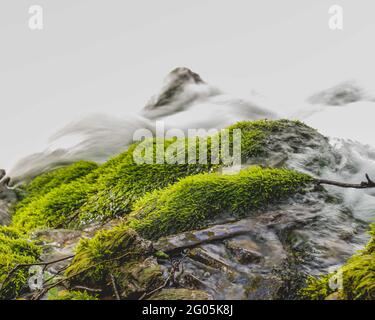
(111, 56)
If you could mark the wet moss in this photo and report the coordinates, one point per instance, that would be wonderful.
(71, 295)
(56, 209)
(356, 278)
(46, 182)
(96, 258)
(194, 201)
(14, 250)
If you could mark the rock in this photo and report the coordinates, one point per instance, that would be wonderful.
(181, 294)
(139, 277)
(174, 85)
(194, 238)
(4, 213)
(2, 173)
(244, 250)
(7, 198)
(340, 95)
(58, 244)
(210, 259)
(264, 288)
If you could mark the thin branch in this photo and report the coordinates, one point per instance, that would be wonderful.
(24, 265)
(171, 277)
(113, 281)
(41, 292)
(363, 185)
(87, 289)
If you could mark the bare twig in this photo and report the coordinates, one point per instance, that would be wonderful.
(171, 277)
(113, 281)
(41, 292)
(24, 265)
(363, 185)
(86, 288)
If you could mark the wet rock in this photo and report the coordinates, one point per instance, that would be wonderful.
(181, 294)
(138, 278)
(4, 213)
(210, 259)
(244, 250)
(264, 288)
(194, 238)
(340, 95)
(7, 197)
(58, 244)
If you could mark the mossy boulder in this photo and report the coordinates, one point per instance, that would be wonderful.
(83, 193)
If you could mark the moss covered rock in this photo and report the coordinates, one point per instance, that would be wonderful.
(194, 201)
(82, 193)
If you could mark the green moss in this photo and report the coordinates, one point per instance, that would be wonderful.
(192, 202)
(357, 278)
(14, 250)
(46, 182)
(257, 136)
(56, 209)
(108, 250)
(123, 182)
(71, 295)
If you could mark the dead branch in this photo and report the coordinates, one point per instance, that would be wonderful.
(24, 265)
(171, 277)
(363, 185)
(86, 289)
(113, 281)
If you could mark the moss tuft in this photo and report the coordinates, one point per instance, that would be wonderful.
(70, 295)
(194, 201)
(95, 258)
(46, 182)
(56, 209)
(14, 250)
